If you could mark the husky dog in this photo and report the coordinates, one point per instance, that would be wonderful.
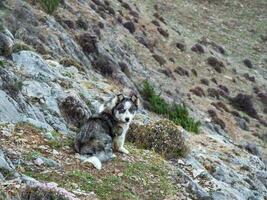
(105, 132)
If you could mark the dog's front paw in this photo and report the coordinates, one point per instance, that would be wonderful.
(123, 150)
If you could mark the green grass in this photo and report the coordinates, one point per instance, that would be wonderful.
(2, 64)
(85, 181)
(50, 5)
(32, 155)
(59, 141)
(176, 113)
(140, 180)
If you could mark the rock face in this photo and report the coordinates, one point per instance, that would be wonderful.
(56, 70)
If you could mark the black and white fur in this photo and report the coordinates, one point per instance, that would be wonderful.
(105, 132)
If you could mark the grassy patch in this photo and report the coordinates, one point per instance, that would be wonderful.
(85, 180)
(20, 46)
(2, 64)
(71, 62)
(59, 140)
(146, 179)
(25, 125)
(32, 155)
(50, 5)
(176, 113)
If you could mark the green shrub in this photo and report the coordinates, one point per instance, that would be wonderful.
(177, 113)
(1, 64)
(50, 5)
(163, 136)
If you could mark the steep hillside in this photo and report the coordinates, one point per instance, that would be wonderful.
(59, 64)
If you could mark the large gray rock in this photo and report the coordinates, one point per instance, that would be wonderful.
(32, 64)
(9, 109)
(5, 163)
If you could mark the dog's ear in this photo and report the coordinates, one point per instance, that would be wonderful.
(109, 105)
(120, 97)
(135, 100)
(115, 100)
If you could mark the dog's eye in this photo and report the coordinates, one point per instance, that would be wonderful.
(132, 109)
(121, 110)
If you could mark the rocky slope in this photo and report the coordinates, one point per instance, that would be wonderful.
(56, 69)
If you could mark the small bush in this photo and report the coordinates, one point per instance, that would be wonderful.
(50, 5)
(244, 103)
(176, 113)
(163, 136)
(198, 91)
(2, 64)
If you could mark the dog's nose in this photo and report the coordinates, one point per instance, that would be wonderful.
(127, 119)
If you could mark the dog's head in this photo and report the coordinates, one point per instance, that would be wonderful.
(124, 107)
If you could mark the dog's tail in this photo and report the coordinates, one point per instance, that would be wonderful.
(94, 160)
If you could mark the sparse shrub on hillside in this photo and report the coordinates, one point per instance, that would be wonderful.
(158, 16)
(193, 71)
(214, 80)
(168, 73)
(198, 48)
(205, 81)
(119, 19)
(181, 45)
(212, 92)
(126, 6)
(176, 113)
(101, 25)
(130, 26)
(105, 65)
(198, 91)
(220, 106)
(248, 63)
(20, 46)
(155, 22)
(216, 119)
(134, 14)
(244, 103)
(159, 59)
(88, 43)
(82, 23)
(50, 5)
(163, 136)
(163, 32)
(181, 71)
(65, 61)
(248, 77)
(216, 64)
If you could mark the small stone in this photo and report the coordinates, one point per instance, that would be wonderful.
(55, 152)
(38, 161)
(180, 162)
